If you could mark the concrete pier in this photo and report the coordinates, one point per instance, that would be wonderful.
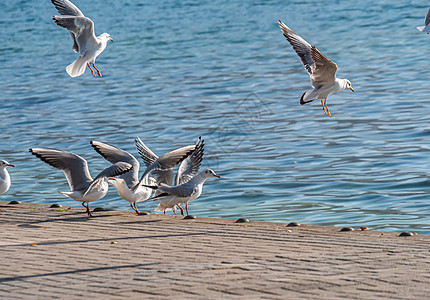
(62, 253)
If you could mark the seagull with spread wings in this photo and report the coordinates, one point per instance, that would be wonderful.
(188, 183)
(125, 182)
(322, 70)
(82, 187)
(85, 41)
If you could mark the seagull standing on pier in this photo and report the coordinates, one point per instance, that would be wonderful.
(5, 181)
(83, 188)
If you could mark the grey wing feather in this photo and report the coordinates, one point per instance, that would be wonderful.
(167, 161)
(302, 48)
(427, 20)
(82, 29)
(147, 155)
(190, 166)
(75, 46)
(114, 155)
(325, 69)
(184, 190)
(65, 7)
(74, 167)
(116, 169)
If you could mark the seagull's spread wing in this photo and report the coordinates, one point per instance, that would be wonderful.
(183, 191)
(74, 167)
(427, 20)
(114, 155)
(147, 155)
(324, 71)
(82, 30)
(65, 7)
(302, 48)
(190, 166)
(168, 161)
(321, 69)
(116, 169)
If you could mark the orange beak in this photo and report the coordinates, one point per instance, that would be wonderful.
(10, 165)
(351, 89)
(110, 39)
(217, 175)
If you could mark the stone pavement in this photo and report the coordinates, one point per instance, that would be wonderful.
(64, 254)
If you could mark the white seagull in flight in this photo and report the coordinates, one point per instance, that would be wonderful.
(85, 41)
(322, 70)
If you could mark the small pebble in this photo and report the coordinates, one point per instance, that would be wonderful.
(143, 213)
(406, 234)
(289, 230)
(14, 202)
(364, 228)
(347, 229)
(98, 209)
(190, 217)
(242, 220)
(293, 224)
(113, 242)
(56, 205)
(33, 245)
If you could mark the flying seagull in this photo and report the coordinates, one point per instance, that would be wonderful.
(425, 28)
(4, 176)
(125, 183)
(322, 70)
(84, 40)
(83, 188)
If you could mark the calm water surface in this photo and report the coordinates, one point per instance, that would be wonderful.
(222, 69)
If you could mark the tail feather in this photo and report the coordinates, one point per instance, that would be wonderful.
(77, 68)
(424, 29)
(306, 98)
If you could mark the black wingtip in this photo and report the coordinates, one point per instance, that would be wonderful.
(301, 99)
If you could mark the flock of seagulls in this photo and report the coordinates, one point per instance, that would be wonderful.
(170, 191)
(123, 174)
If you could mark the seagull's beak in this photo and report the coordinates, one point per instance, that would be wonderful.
(110, 39)
(217, 175)
(351, 89)
(111, 178)
(10, 165)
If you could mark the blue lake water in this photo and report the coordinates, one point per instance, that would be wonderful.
(223, 70)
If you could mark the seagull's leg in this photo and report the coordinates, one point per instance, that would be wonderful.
(174, 210)
(322, 103)
(88, 208)
(328, 112)
(186, 208)
(182, 210)
(135, 206)
(164, 211)
(91, 69)
(98, 72)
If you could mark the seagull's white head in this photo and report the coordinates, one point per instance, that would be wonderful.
(209, 173)
(105, 36)
(347, 85)
(4, 164)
